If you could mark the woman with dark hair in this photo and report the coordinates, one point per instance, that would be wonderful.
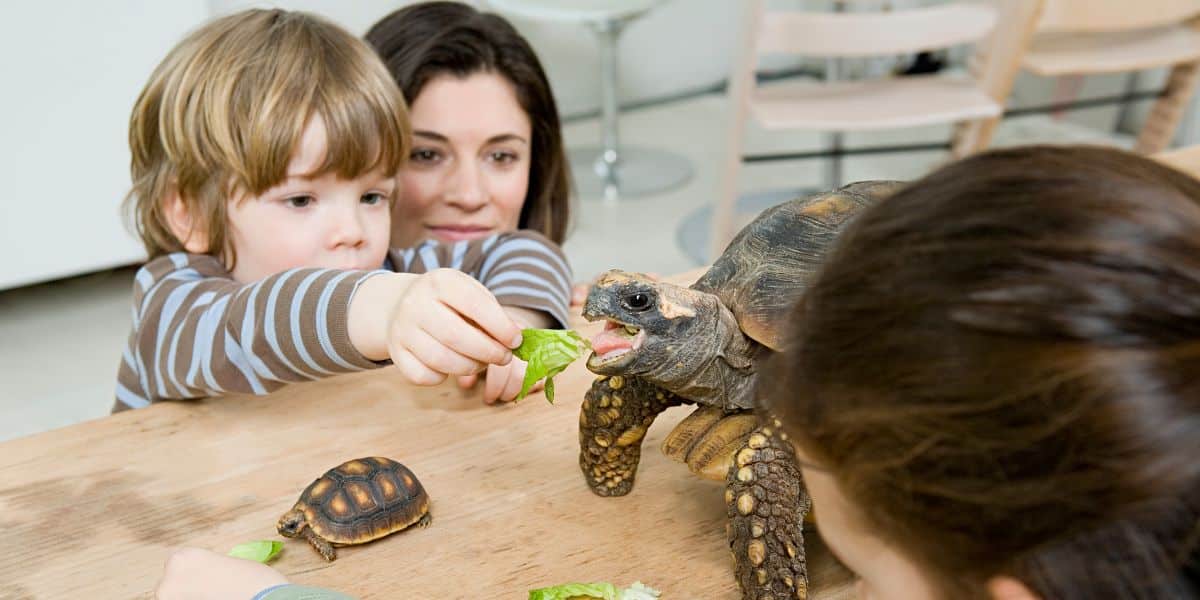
(488, 152)
(994, 382)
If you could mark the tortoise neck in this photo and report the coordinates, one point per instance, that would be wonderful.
(717, 370)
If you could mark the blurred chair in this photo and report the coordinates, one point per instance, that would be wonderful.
(999, 31)
(1085, 37)
(612, 170)
(1186, 159)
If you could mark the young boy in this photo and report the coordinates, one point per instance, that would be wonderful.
(264, 153)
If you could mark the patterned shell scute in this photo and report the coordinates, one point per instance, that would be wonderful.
(364, 499)
(768, 265)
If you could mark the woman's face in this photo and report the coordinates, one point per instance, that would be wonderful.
(468, 172)
(883, 572)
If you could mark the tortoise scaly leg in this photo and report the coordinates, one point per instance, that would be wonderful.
(613, 420)
(766, 503)
(323, 547)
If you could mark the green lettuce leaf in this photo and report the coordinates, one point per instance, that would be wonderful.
(603, 590)
(261, 550)
(548, 352)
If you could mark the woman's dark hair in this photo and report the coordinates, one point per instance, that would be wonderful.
(1000, 366)
(429, 39)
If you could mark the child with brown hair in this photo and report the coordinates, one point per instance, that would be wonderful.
(265, 149)
(993, 385)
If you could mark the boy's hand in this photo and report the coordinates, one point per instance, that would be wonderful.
(446, 323)
(196, 574)
(501, 383)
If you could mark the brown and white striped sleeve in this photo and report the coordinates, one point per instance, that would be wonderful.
(522, 268)
(197, 332)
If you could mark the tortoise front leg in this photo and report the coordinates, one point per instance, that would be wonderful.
(766, 503)
(323, 547)
(613, 420)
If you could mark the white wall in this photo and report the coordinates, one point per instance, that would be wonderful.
(71, 70)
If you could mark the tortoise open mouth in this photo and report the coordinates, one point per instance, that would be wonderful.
(615, 345)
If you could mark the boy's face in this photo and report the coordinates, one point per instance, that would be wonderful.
(311, 221)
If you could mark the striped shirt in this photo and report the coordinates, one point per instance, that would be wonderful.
(197, 332)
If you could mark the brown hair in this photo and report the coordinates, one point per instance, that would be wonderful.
(429, 39)
(224, 111)
(1000, 366)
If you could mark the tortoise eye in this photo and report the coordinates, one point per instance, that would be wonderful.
(638, 301)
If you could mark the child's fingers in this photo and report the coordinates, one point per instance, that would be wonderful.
(414, 370)
(435, 354)
(513, 386)
(495, 382)
(474, 301)
(467, 382)
(452, 332)
(579, 294)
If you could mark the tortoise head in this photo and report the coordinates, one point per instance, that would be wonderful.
(291, 523)
(649, 324)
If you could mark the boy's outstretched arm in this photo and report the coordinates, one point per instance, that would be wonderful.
(197, 332)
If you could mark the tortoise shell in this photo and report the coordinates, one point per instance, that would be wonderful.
(769, 264)
(362, 500)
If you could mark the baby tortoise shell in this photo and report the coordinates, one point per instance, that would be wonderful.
(356, 502)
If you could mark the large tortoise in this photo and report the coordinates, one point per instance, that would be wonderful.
(665, 345)
(356, 502)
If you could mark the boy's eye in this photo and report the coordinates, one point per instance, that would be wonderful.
(373, 198)
(423, 155)
(299, 201)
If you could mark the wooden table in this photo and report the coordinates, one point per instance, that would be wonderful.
(92, 510)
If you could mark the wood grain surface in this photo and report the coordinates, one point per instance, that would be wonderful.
(93, 510)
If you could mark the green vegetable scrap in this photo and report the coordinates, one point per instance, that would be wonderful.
(548, 352)
(602, 590)
(261, 550)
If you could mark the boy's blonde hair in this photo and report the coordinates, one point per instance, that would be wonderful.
(225, 109)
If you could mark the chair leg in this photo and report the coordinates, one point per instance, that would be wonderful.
(1163, 120)
(607, 33)
(970, 137)
(741, 85)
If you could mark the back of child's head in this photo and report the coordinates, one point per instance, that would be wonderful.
(224, 111)
(423, 41)
(1000, 366)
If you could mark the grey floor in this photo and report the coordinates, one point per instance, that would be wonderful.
(60, 342)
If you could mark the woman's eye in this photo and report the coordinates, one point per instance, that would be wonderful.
(423, 155)
(503, 157)
(299, 201)
(374, 198)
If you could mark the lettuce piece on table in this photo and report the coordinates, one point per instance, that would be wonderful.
(548, 352)
(601, 590)
(261, 550)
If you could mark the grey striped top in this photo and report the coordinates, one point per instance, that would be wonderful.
(197, 332)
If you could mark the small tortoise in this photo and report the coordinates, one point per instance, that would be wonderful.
(356, 502)
(665, 345)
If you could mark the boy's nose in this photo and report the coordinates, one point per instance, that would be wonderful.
(348, 229)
